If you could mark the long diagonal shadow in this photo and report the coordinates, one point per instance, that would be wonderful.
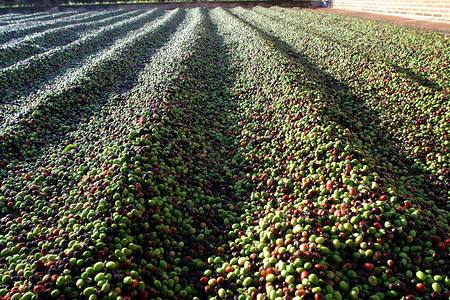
(349, 110)
(411, 74)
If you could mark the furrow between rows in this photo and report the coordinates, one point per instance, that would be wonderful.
(27, 77)
(171, 137)
(22, 48)
(15, 31)
(307, 176)
(38, 17)
(82, 91)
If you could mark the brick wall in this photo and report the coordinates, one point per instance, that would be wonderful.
(431, 10)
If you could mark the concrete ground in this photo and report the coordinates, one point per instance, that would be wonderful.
(414, 23)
